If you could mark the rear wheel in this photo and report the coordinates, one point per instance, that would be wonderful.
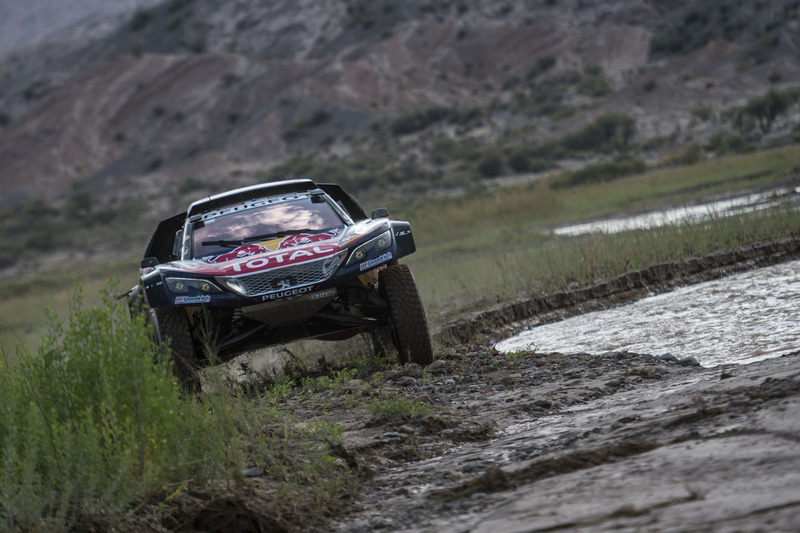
(408, 324)
(172, 328)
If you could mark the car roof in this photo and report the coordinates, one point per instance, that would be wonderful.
(248, 193)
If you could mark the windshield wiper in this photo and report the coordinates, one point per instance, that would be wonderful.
(274, 235)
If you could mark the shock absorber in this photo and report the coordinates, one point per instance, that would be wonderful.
(236, 320)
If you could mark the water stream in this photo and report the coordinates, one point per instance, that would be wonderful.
(695, 213)
(738, 319)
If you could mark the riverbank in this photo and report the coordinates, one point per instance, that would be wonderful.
(507, 318)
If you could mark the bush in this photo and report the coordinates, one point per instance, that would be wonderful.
(726, 142)
(609, 131)
(525, 160)
(140, 20)
(417, 120)
(690, 155)
(491, 165)
(519, 162)
(703, 112)
(91, 423)
(766, 108)
(608, 171)
(594, 83)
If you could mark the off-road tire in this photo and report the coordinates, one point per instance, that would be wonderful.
(407, 320)
(173, 329)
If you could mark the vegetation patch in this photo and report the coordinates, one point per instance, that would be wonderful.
(94, 426)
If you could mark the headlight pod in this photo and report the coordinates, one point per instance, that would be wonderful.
(376, 244)
(182, 286)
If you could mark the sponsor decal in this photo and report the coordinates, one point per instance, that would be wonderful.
(259, 262)
(285, 294)
(323, 294)
(285, 258)
(377, 261)
(204, 299)
(250, 204)
(243, 251)
(403, 233)
(306, 238)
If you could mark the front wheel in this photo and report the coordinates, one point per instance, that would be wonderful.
(408, 324)
(173, 329)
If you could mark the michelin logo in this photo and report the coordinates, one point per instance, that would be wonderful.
(377, 261)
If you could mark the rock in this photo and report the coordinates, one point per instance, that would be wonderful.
(688, 361)
(406, 381)
(405, 428)
(668, 357)
(436, 367)
(253, 472)
(391, 435)
(423, 398)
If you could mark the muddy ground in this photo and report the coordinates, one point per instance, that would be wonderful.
(585, 442)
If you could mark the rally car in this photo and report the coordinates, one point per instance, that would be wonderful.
(278, 262)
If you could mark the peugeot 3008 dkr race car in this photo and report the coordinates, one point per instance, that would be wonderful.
(278, 262)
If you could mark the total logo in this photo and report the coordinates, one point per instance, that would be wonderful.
(278, 258)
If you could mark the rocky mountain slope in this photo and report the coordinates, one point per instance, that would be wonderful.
(195, 93)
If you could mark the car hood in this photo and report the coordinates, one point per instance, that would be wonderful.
(281, 252)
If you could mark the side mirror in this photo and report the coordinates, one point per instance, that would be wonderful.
(380, 212)
(148, 262)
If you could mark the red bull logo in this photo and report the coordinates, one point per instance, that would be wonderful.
(243, 251)
(306, 238)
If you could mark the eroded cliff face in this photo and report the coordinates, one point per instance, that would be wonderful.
(207, 89)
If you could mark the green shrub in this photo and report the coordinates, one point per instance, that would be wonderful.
(608, 131)
(594, 83)
(525, 160)
(140, 20)
(92, 423)
(766, 108)
(703, 112)
(689, 155)
(726, 142)
(491, 165)
(417, 120)
(608, 171)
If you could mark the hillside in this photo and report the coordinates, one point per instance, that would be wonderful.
(195, 96)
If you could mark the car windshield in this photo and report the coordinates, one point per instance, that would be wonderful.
(221, 234)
